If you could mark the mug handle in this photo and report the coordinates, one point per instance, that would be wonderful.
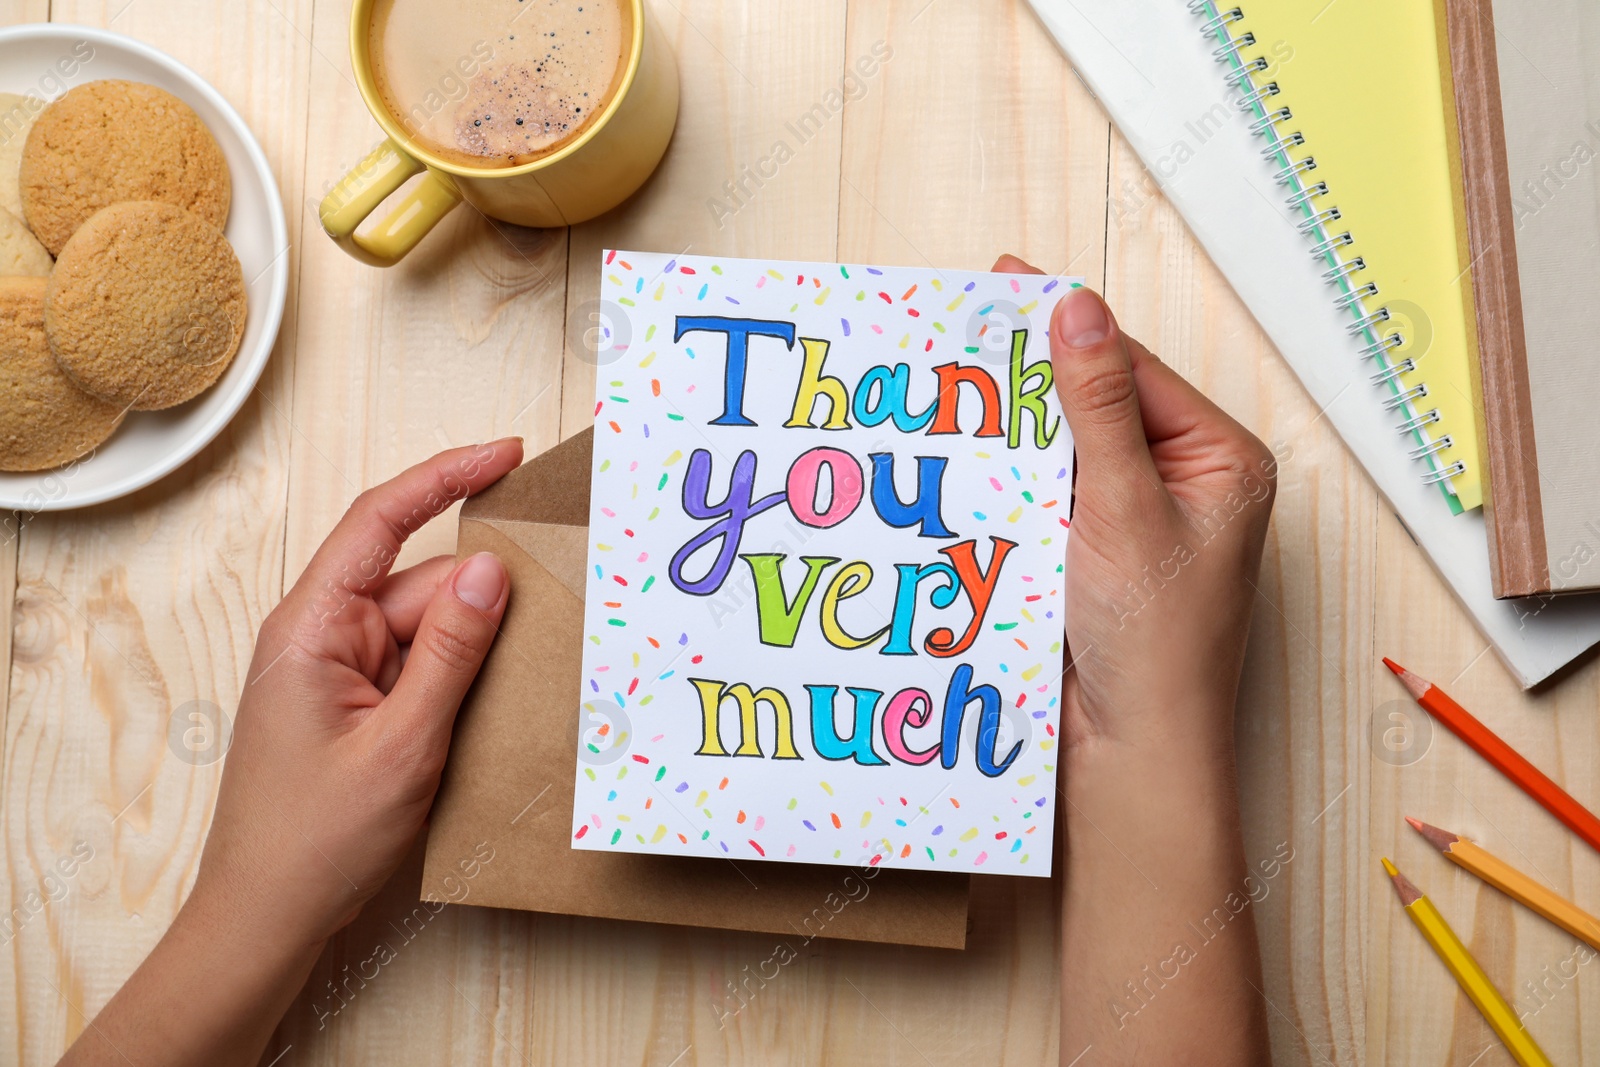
(367, 185)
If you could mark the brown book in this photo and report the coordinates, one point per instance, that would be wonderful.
(1527, 94)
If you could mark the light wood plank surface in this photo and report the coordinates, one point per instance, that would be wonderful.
(969, 137)
(126, 614)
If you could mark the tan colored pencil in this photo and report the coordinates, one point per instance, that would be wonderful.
(1512, 882)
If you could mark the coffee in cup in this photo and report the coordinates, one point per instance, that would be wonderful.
(497, 83)
(535, 112)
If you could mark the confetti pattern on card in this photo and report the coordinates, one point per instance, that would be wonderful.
(827, 552)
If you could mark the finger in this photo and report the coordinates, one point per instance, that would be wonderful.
(1009, 264)
(451, 641)
(1189, 435)
(1099, 394)
(362, 548)
(388, 671)
(1171, 407)
(406, 594)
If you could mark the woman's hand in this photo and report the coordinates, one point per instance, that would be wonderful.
(1169, 514)
(345, 722)
(338, 744)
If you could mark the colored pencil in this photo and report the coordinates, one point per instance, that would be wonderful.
(1513, 883)
(1500, 1016)
(1530, 779)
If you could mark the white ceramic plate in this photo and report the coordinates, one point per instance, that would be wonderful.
(48, 59)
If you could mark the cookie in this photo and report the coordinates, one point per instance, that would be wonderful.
(20, 251)
(146, 305)
(17, 114)
(109, 141)
(45, 420)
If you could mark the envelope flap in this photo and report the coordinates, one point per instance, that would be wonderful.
(561, 550)
(552, 488)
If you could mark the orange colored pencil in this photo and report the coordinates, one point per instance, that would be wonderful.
(1507, 760)
(1475, 859)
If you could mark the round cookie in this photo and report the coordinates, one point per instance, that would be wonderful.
(109, 141)
(21, 254)
(17, 115)
(45, 420)
(146, 305)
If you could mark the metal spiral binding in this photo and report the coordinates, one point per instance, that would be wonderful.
(1283, 114)
(1366, 322)
(1383, 344)
(1436, 445)
(1393, 371)
(1321, 249)
(1455, 470)
(1419, 422)
(1321, 218)
(1216, 25)
(1356, 295)
(1400, 400)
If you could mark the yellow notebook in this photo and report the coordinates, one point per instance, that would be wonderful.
(1353, 101)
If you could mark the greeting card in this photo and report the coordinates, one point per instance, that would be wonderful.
(829, 513)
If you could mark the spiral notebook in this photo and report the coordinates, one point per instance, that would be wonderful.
(1364, 143)
(1146, 62)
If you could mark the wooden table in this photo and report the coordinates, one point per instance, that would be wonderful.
(973, 138)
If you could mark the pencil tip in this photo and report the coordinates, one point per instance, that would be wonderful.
(1409, 893)
(1439, 839)
(1414, 684)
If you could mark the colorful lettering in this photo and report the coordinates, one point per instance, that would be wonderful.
(713, 693)
(778, 617)
(825, 730)
(737, 333)
(923, 511)
(951, 376)
(814, 385)
(737, 508)
(805, 482)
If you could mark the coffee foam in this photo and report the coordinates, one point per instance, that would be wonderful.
(497, 83)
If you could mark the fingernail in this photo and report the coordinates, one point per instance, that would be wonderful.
(480, 581)
(1082, 320)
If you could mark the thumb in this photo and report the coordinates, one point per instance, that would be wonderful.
(1096, 386)
(454, 636)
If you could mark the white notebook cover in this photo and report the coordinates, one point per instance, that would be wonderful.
(1151, 69)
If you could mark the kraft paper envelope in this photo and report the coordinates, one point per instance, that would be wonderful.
(509, 781)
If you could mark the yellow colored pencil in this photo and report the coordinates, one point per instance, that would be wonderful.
(1468, 974)
(1513, 883)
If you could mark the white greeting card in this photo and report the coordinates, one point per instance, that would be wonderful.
(828, 527)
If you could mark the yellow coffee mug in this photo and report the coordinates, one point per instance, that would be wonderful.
(596, 171)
